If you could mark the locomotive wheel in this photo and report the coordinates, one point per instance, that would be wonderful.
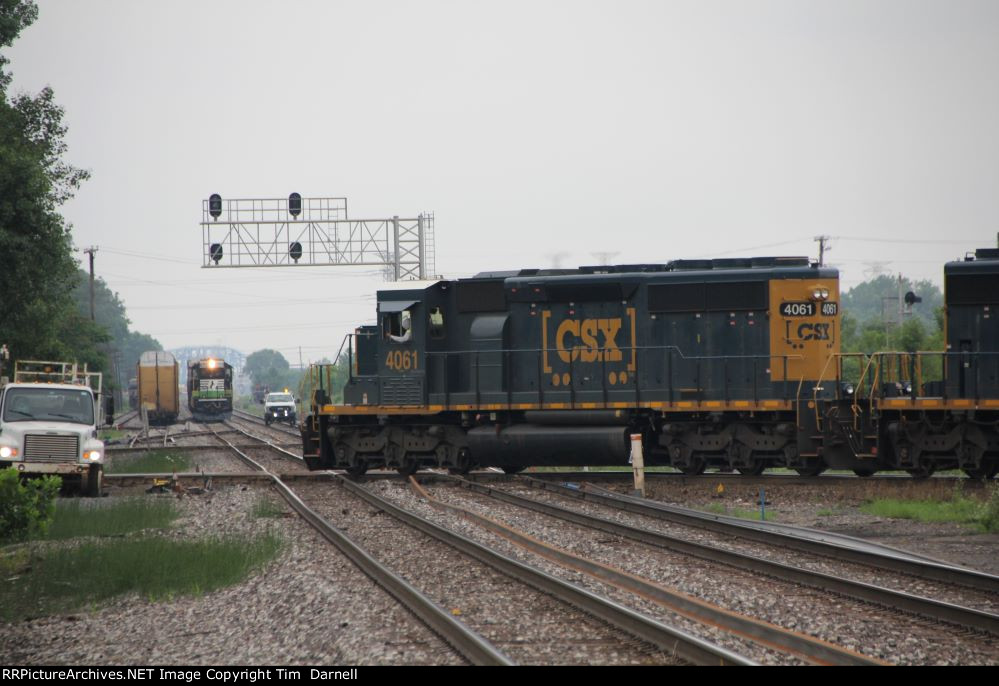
(924, 472)
(512, 469)
(811, 469)
(865, 472)
(983, 473)
(463, 464)
(695, 468)
(409, 466)
(754, 469)
(357, 467)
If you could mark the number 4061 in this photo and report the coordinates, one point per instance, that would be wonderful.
(401, 360)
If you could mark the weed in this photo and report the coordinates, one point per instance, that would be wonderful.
(86, 517)
(152, 462)
(70, 578)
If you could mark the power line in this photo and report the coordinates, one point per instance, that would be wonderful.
(905, 241)
(749, 249)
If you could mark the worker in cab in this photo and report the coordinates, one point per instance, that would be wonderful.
(407, 329)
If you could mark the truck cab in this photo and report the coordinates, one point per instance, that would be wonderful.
(48, 423)
(279, 407)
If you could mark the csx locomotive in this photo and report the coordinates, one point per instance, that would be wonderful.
(731, 363)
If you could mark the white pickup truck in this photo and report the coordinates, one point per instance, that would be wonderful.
(279, 407)
(49, 417)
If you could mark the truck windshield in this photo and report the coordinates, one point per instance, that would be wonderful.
(48, 404)
(280, 398)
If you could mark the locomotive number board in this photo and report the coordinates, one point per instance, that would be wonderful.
(807, 309)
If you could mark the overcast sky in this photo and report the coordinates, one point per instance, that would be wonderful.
(537, 132)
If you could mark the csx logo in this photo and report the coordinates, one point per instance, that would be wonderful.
(813, 332)
(578, 340)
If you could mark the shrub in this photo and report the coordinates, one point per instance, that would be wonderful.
(990, 513)
(26, 507)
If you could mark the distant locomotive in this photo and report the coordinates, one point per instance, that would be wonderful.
(209, 389)
(158, 386)
(733, 364)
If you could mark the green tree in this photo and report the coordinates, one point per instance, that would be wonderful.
(36, 310)
(269, 368)
(877, 298)
(111, 317)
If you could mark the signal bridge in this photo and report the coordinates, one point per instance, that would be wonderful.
(297, 231)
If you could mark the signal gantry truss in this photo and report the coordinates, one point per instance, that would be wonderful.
(283, 232)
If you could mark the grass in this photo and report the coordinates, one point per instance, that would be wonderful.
(718, 508)
(266, 508)
(112, 434)
(152, 462)
(86, 517)
(70, 578)
(957, 509)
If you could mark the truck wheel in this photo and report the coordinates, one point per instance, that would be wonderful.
(95, 479)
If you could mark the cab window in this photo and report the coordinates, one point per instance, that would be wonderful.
(436, 323)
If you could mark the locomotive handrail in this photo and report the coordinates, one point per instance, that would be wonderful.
(838, 357)
(972, 359)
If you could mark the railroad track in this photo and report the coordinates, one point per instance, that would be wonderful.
(665, 639)
(275, 426)
(622, 624)
(932, 609)
(471, 646)
(794, 538)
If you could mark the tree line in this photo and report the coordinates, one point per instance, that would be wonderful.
(44, 295)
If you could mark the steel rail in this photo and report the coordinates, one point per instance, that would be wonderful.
(920, 568)
(247, 417)
(890, 598)
(809, 648)
(668, 639)
(468, 643)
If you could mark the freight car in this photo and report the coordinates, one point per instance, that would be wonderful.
(158, 386)
(713, 362)
(209, 389)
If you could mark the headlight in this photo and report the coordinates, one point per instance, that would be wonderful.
(847, 388)
(907, 388)
(6, 452)
(92, 455)
(820, 293)
(825, 293)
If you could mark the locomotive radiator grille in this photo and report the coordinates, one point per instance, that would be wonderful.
(45, 448)
(402, 390)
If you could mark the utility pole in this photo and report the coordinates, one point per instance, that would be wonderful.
(90, 251)
(822, 248)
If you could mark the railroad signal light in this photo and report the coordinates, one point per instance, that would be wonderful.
(294, 204)
(216, 252)
(215, 206)
(295, 250)
(911, 299)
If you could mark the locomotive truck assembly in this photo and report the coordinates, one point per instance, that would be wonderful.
(731, 363)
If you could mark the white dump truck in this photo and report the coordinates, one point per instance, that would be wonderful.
(49, 416)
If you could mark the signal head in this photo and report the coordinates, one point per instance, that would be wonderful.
(215, 206)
